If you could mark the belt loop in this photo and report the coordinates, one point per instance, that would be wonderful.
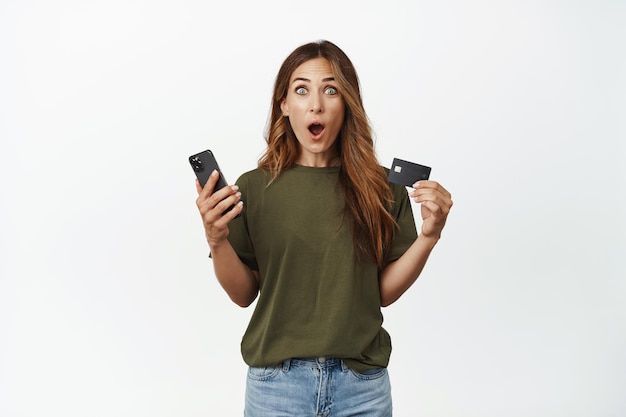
(344, 367)
(286, 365)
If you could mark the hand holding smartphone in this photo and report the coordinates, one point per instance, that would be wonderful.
(203, 164)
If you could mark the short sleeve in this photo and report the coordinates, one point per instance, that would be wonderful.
(406, 233)
(239, 236)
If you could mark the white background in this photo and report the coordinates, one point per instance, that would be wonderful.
(108, 303)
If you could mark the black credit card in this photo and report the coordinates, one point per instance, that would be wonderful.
(407, 173)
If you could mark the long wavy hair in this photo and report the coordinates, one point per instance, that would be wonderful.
(364, 181)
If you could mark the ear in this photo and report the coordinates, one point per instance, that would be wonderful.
(284, 108)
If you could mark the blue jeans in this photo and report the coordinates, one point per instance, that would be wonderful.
(317, 388)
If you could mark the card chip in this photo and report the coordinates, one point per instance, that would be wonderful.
(397, 168)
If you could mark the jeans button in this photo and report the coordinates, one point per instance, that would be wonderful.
(322, 359)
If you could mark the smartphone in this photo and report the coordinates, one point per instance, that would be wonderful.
(203, 164)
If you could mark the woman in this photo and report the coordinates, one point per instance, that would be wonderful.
(324, 241)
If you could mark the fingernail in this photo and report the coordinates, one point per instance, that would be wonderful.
(234, 187)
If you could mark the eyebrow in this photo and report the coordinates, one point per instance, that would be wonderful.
(325, 80)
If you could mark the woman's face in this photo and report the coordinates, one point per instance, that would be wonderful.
(316, 110)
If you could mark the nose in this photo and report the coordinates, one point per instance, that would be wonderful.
(316, 104)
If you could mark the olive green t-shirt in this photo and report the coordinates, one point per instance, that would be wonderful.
(316, 299)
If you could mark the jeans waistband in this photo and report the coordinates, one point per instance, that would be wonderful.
(321, 362)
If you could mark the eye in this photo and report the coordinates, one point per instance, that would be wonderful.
(301, 91)
(331, 91)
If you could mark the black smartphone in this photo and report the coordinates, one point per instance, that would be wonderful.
(203, 164)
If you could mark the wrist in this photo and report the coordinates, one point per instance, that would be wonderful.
(429, 240)
(216, 244)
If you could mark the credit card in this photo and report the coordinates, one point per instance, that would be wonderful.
(407, 173)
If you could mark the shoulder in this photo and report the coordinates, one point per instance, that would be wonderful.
(253, 175)
(253, 179)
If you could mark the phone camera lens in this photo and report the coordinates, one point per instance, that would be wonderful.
(196, 163)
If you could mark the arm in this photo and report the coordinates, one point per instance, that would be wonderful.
(399, 275)
(240, 282)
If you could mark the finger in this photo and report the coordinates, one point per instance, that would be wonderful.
(422, 194)
(236, 211)
(220, 200)
(438, 194)
(207, 199)
(433, 200)
(198, 186)
(228, 201)
(432, 185)
(207, 190)
(220, 218)
(435, 210)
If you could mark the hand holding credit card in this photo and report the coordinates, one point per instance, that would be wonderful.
(407, 173)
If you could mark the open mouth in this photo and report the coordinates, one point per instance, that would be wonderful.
(316, 128)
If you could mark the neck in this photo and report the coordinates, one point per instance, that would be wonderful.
(319, 160)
